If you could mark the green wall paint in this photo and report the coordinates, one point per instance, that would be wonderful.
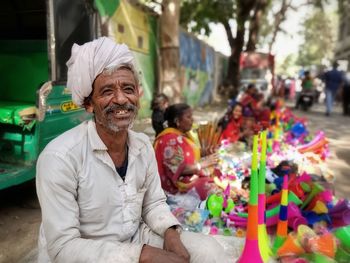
(194, 84)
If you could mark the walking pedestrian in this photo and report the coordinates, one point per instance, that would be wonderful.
(333, 80)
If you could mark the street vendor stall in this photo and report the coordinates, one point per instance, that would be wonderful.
(275, 202)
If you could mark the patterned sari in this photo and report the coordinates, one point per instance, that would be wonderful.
(174, 150)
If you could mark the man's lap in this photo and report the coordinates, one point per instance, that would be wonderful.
(202, 248)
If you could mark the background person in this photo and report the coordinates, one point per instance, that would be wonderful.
(333, 80)
(231, 124)
(158, 105)
(179, 158)
(307, 89)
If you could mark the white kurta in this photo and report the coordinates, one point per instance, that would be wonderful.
(89, 214)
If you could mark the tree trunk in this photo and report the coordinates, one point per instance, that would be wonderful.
(233, 72)
(254, 26)
(169, 50)
(233, 64)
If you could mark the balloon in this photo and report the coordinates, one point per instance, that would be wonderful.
(215, 205)
(298, 129)
(230, 206)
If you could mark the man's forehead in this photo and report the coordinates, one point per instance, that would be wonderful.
(121, 74)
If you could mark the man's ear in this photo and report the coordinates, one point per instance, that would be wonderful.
(88, 106)
(141, 91)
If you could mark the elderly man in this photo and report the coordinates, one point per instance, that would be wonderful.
(98, 184)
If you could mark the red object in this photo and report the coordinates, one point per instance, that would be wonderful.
(258, 60)
(263, 115)
(256, 128)
(174, 150)
(232, 130)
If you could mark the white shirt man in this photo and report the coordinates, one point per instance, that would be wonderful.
(98, 183)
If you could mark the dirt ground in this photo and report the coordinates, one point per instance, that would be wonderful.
(20, 210)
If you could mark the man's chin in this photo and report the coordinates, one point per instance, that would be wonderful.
(120, 126)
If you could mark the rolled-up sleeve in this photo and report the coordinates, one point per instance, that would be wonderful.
(57, 185)
(156, 212)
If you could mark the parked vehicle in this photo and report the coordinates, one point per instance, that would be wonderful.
(257, 68)
(35, 105)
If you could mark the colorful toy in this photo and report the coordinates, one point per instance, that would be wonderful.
(264, 243)
(316, 188)
(340, 214)
(295, 217)
(342, 255)
(251, 252)
(282, 226)
(291, 247)
(343, 234)
(298, 129)
(214, 204)
(275, 210)
(324, 244)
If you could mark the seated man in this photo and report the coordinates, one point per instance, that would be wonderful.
(98, 183)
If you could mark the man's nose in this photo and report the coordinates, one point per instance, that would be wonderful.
(119, 97)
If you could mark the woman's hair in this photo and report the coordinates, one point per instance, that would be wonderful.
(228, 115)
(158, 100)
(174, 112)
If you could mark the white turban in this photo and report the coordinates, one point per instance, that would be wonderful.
(89, 60)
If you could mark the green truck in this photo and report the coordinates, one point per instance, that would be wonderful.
(35, 106)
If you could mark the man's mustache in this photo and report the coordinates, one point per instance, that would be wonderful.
(114, 107)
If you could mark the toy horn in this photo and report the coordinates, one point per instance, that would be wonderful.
(317, 188)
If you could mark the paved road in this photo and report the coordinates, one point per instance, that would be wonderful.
(20, 212)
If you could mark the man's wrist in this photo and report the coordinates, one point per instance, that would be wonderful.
(177, 228)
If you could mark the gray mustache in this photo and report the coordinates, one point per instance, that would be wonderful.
(114, 107)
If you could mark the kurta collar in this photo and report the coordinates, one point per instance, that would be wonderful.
(135, 143)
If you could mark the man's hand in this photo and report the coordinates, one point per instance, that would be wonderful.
(151, 254)
(172, 243)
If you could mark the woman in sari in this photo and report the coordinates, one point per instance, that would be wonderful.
(179, 158)
(231, 123)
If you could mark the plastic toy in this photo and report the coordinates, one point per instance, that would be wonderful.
(282, 226)
(251, 252)
(264, 244)
(214, 204)
(291, 247)
(316, 188)
(343, 234)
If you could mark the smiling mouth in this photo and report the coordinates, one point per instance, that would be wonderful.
(121, 112)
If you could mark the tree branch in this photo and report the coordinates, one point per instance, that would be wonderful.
(230, 37)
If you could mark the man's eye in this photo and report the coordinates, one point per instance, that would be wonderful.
(107, 92)
(129, 89)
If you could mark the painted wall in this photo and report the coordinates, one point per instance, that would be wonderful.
(221, 65)
(197, 61)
